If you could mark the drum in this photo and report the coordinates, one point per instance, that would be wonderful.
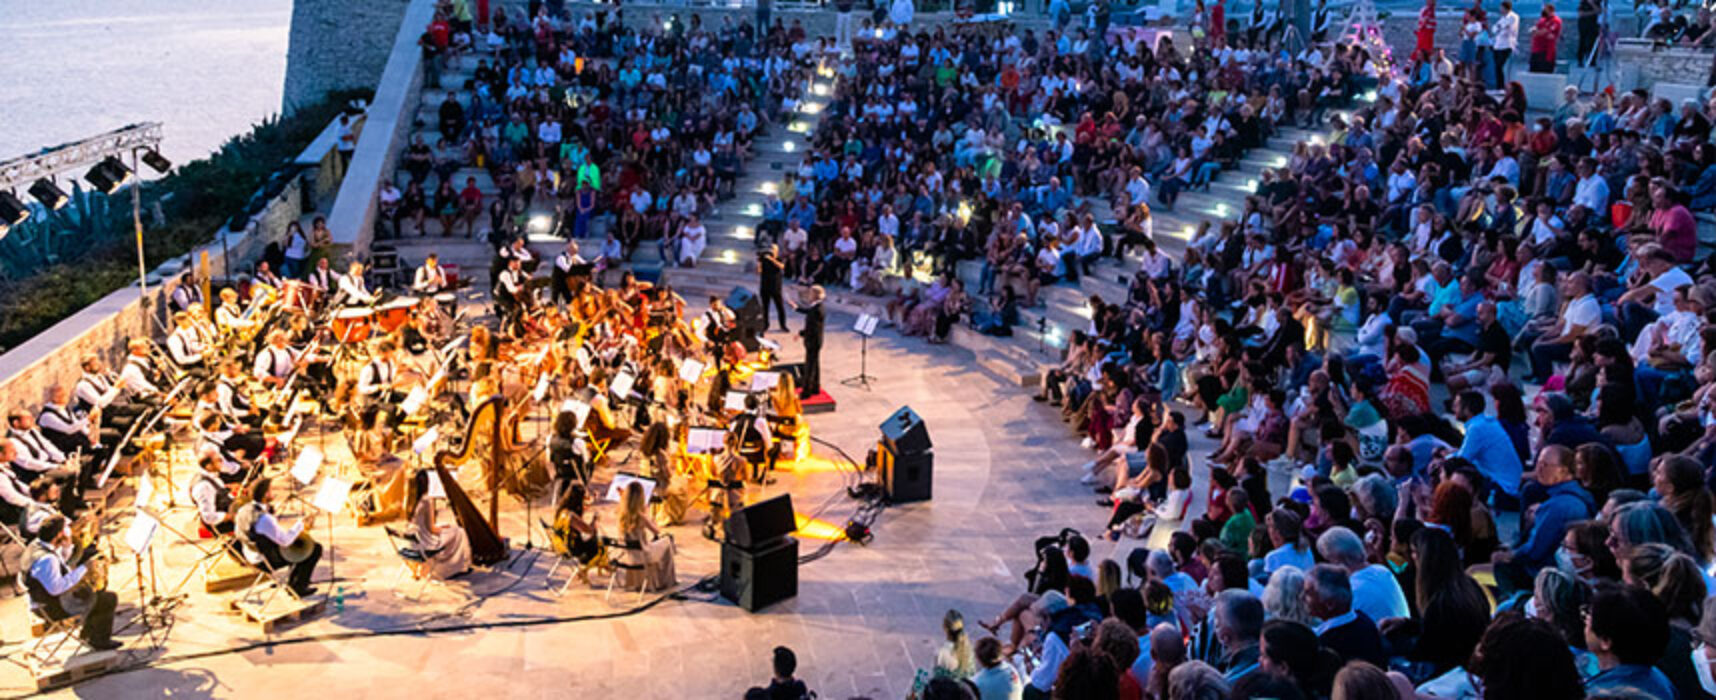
(352, 325)
(395, 313)
(299, 294)
(446, 298)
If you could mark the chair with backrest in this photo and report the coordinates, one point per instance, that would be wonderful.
(412, 560)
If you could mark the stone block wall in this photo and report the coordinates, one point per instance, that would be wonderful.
(337, 45)
(1668, 65)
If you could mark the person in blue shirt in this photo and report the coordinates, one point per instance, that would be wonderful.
(1487, 444)
(1627, 629)
(1453, 324)
(1565, 502)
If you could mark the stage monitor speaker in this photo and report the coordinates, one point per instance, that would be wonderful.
(756, 579)
(907, 478)
(748, 316)
(905, 433)
(762, 523)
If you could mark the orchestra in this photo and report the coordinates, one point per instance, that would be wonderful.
(626, 380)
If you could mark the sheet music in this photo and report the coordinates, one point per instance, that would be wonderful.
(770, 344)
(702, 441)
(427, 440)
(541, 391)
(866, 324)
(578, 409)
(145, 490)
(691, 370)
(333, 496)
(583, 356)
(414, 401)
(622, 386)
(436, 490)
(764, 381)
(308, 464)
(735, 401)
(621, 480)
(142, 532)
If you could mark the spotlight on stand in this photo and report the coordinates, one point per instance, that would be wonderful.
(49, 194)
(108, 175)
(12, 210)
(156, 161)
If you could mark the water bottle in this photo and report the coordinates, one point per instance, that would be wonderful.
(339, 598)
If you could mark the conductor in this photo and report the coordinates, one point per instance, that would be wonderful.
(811, 307)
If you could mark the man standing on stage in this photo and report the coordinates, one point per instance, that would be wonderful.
(769, 272)
(812, 335)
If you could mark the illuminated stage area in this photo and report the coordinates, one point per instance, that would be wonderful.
(865, 617)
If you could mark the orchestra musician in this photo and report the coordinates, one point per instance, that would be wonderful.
(35, 458)
(756, 441)
(354, 290)
(600, 422)
(514, 250)
(512, 295)
(43, 492)
(143, 382)
(51, 578)
(323, 279)
(378, 384)
(16, 497)
(71, 429)
(276, 361)
(232, 395)
(186, 346)
(186, 292)
(213, 498)
(229, 316)
(569, 269)
(447, 550)
(255, 526)
(431, 278)
(98, 391)
(231, 439)
(265, 275)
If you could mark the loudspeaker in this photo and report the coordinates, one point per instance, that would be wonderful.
(905, 433)
(762, 523)
(906, 477)
(749, 319)
(756, 579)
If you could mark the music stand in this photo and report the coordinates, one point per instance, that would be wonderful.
(866, 327)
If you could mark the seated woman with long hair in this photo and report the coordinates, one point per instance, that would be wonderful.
(575, 536)
(648, 553)
(1024, 612)
(447, 552)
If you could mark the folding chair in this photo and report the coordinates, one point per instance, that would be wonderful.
(55, 634)
(619, 564)
(563, 557)
(411, 561)
(268, 584)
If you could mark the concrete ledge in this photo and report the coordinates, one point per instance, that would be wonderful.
(1542, 90)
(352, 218)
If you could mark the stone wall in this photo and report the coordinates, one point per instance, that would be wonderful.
(50, 358)
(337, 45)
(1668, 65)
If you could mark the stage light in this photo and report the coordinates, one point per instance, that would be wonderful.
(744, 233)
(108, 175)
(1221, 210)
(1189, 231)
(815, 529)
(753, 210)
(540, 223)
(156, 161)
(770, 187)
(49, 194)
(12, 210)
(1251, 185)
(799, 127)
(789, 146)
(810, 107)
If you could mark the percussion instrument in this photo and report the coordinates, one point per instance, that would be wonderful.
(352, 325)
(446, 298)
(395, 313)
(300, 294)
(452, 270)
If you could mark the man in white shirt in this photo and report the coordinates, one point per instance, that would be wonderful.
(353, 288)
(569, 267)
(140, 377)
(211, 496)
(255, 525)
(430, 279)
(1376, 593)
(185, 345)
(51, 577)
(1580, 316)
(1654, 296)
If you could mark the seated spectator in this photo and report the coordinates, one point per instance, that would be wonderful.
(1350, 633)
(1627, 629)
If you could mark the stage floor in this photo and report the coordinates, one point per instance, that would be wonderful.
(864, 620)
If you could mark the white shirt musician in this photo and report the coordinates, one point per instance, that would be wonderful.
(96, 388)
(34, 451)
(185, 344)
(265, 275)
(353, 288)
(377, 378)
(71, 425)
(323, 278)
(186, 293)
(275, 363)
(431, 278)
(210, 494)
(13, 490)
(229, 317)
(568, 260)
(139, 373)
(513, 281)
(517, 251)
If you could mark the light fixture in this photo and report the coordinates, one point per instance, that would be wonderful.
(49, 194)
(12, 210)
(108, 175)
(156, 161)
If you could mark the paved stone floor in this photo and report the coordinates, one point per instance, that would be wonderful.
(864, 620)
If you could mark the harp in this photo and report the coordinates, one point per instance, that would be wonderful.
(482, 433)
